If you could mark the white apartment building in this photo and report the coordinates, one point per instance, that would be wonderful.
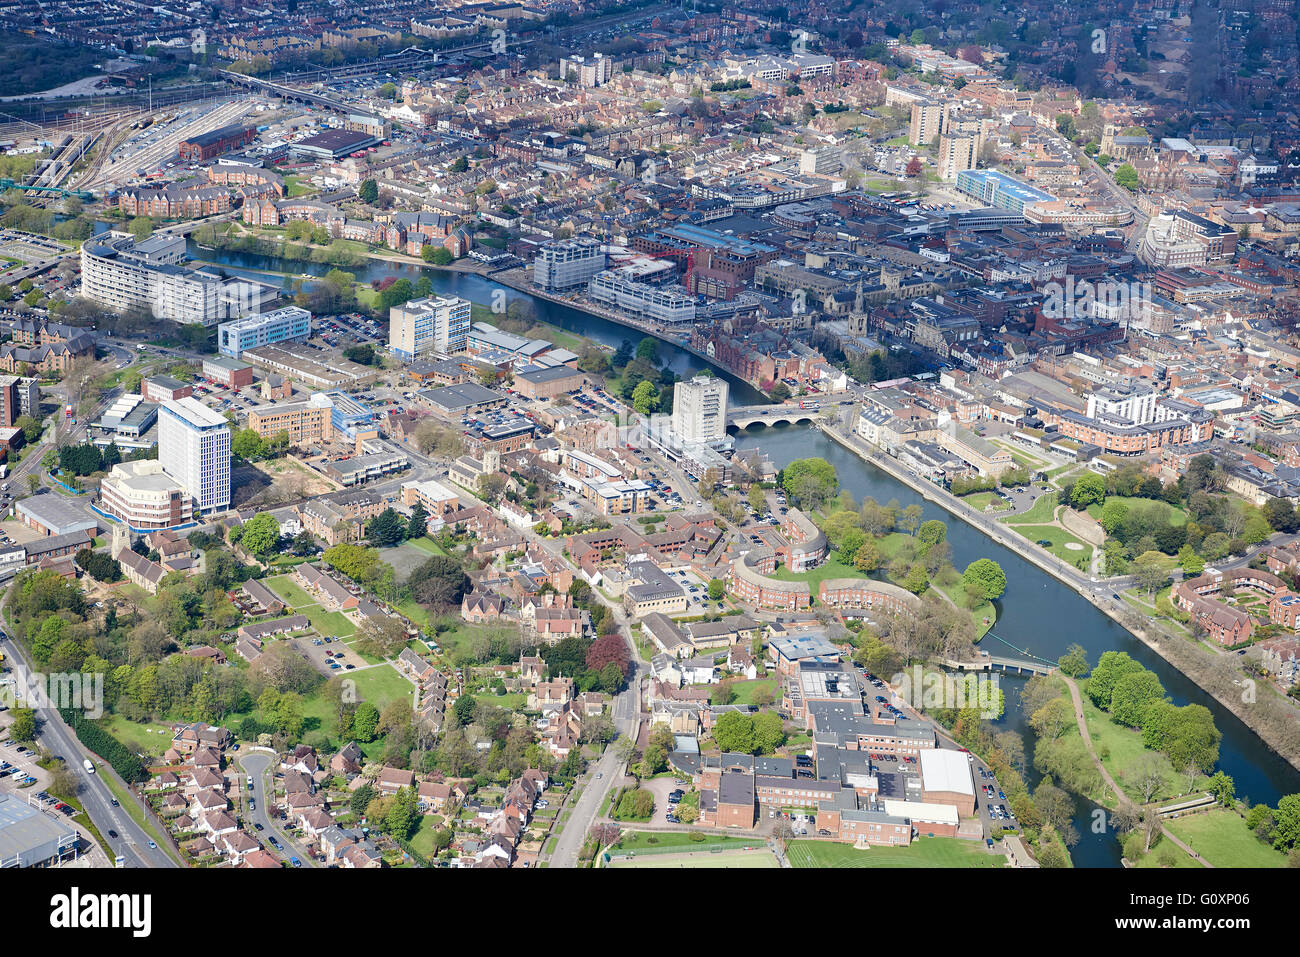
(568, 263)
(590, 72)
(290, 324)
(700, 410)
(641, 299)
(120, 273)
(194, 449)
(424, 326)
(1135, 403)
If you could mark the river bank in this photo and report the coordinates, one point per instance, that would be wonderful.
(1213, 674)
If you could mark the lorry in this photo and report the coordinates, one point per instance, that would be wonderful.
(90, 768)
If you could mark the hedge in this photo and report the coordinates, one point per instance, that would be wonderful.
(117, 754)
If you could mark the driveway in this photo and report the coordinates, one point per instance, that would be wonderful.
(258, 764)
(660, 787)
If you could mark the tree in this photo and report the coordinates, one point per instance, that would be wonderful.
(436, 255)
(418, 523)
(1150, 571)
(910, 519)
(988, 575)
(1127, 177)
(811, 482)
(1133, 696)
(734, 732)
(141, 228)
(717, 589)
(368, 191)
(1090, 488)
(23, 728)
(386, 529)
(382, 636)
(917, 579)
(440, 582)
(645, 397)
(1281, 515)
(261, 535)
(1074, 662)
(867, 557)
(1112, 666)
(932, 532)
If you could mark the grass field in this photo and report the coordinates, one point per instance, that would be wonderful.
(1022, 457)
(1042, 511)
(288, 589)
(745, 689)
(981, 501)
(924, 852)
(763, 858)
(329, 622)
(1176, 515)
(381, 684)
(831, 568)
(640, 840)
(1121, 751)
(1059, 538)
(1220, 836)
(150, 738)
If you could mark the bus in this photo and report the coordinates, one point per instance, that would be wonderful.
(810, 405)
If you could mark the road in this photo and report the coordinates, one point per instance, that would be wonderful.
(601, 777)
(55, 736)
(258, 764)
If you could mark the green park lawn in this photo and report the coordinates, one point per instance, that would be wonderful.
(1059, 539)
(1121, 751)
(1220, 836)
(427, 544)
(511, 701)
(984, 614)
(1177, 515)
(329, 622)
(147, 737)
(924, 852)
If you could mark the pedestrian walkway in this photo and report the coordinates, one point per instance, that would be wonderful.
(1124, 800)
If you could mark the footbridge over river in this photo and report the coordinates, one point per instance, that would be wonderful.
(1021, 663)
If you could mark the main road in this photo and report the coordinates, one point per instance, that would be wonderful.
(133, 843)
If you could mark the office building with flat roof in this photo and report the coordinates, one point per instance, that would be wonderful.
(144, 497)
(289, 324)
(194, 449)
(423, 327)
(304, 422)
(1000, 190)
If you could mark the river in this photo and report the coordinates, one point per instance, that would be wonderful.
(479, 290)
(1038, 613)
